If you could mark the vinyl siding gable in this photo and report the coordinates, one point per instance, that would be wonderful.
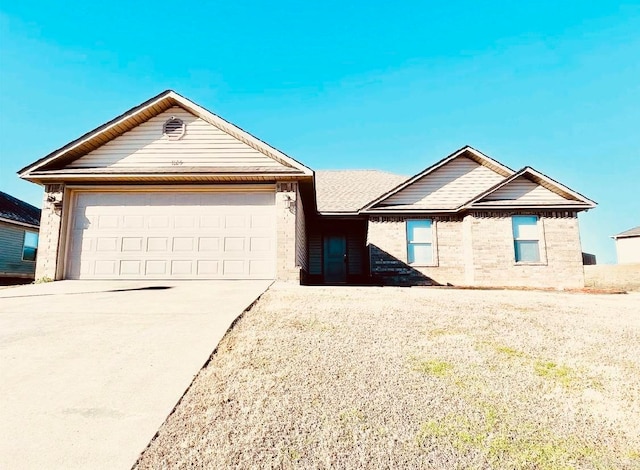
(445, 188)
(525, 191)
(203, 145)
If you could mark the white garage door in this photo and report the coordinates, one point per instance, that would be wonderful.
(183, 235)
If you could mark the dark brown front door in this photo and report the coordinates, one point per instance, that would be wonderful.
(335, 258)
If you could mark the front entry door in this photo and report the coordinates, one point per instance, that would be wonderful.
(335, 258)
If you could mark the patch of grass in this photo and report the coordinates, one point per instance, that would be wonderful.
(291, 454)
(509, 352)
(353, 415)
(434, 367)
(437, 332)
(502, 441)
(551, 370)
(311, 324)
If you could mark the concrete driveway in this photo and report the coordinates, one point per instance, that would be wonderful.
(90, 369)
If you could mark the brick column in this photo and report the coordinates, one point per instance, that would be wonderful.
(48, 240)
(286, 196)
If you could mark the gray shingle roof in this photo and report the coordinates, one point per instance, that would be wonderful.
(350, 190)
(20, 211)
(632, 232)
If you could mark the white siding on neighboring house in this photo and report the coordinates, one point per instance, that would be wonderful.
(447, 187)
(202, 145)
(525, 191)
(628, 250)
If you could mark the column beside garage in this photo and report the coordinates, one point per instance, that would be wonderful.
(289, 216)
(49, 240)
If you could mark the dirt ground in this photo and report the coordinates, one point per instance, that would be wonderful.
(330, 377)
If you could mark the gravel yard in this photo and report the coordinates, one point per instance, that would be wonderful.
(331, 377)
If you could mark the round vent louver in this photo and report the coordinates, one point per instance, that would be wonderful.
(174, 128)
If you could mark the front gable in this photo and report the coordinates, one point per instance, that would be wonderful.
(202, 145)
(445, 186)
(134, 146)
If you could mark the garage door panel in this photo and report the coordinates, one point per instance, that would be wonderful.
(162, 235)
(132, 243)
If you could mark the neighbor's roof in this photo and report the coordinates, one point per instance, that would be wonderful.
(347, 191)
(632, 232)
(15, 210)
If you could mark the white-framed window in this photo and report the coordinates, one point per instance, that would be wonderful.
(526, 238)
(420, 242)
(30, 246)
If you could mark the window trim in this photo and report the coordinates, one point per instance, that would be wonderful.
(434, 244)
(542, 249)
(24, 245)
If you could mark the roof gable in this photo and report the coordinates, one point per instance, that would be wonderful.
(530, 188)
(143, 113)
(446, 185)
(203, 145)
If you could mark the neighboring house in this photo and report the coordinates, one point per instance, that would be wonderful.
(171, 190)
(19, 224)
(628, 246)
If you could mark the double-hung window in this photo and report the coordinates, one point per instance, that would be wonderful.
(420, 242)
(526, 241)
(30, 246)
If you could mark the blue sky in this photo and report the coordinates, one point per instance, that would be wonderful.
(554, 85)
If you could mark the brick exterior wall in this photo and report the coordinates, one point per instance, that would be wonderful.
(287, 268)
(477, 250)
(493, 259)
(49, 238)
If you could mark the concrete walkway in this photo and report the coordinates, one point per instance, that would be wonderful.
(89, 370)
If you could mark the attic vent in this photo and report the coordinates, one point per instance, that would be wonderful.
(174, 128)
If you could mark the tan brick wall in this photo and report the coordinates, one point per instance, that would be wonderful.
(48, 242)
(493, 258)
(388, 234)
(479, 251)
(628, 250)
(286, 265)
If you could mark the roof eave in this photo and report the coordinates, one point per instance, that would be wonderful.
(17, 222)
(577, 207)
(22, 173)
(60, 178)
(392, 211)
(338, 213)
